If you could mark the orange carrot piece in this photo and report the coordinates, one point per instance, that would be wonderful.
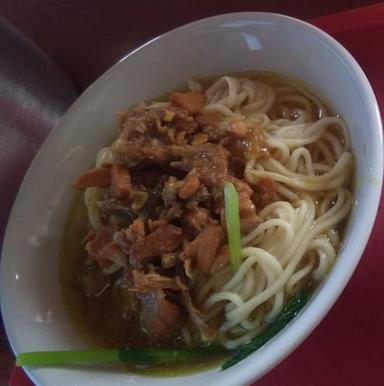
(120, 182)
(193, 101)
(190, 185)
(97, 177)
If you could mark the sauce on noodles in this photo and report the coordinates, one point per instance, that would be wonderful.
(145, 260)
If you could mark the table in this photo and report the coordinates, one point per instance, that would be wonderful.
(86, 37)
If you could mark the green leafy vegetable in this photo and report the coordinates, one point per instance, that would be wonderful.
(57, 358)
(158, 355)
(137, 356)
(292, 308)
(233, 224)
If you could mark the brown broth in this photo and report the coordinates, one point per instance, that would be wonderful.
(99, 320)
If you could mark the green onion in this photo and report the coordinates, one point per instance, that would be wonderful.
(54, 358)
(233, 224)
(136, 356)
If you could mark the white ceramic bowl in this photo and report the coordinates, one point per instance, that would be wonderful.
(32, 309)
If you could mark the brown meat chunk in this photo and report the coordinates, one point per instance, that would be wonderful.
(165, 239)
(210, 164)
(141, 122)
(132, 153)
(266, 188)
(136, 231)
(205, 247)
(144, 282)
(162, 240)
(214, 124)
(144, 123)
(152, 150)
(190, 185)
(208, 161)
(113, 253)
(98, 177)
(196, 220)
(192, 101)
(159, 317)
(102, 237)
(120, 182)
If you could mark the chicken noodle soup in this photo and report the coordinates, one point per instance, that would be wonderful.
(146, 260)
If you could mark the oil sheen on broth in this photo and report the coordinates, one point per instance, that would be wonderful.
(102, 320)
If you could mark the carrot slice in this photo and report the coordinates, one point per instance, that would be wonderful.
(190, 185)
(120, 182)
(97, 177)
(193, 101)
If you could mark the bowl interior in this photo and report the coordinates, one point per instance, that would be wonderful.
(31, 300)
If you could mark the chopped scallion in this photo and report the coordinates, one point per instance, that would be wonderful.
(233, 224)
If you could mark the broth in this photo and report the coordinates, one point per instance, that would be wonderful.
(101, 320)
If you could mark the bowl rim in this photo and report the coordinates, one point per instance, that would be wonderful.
(324, 299)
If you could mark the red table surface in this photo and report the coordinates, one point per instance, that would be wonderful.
(347, 349)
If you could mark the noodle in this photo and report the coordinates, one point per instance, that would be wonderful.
(297, 240)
